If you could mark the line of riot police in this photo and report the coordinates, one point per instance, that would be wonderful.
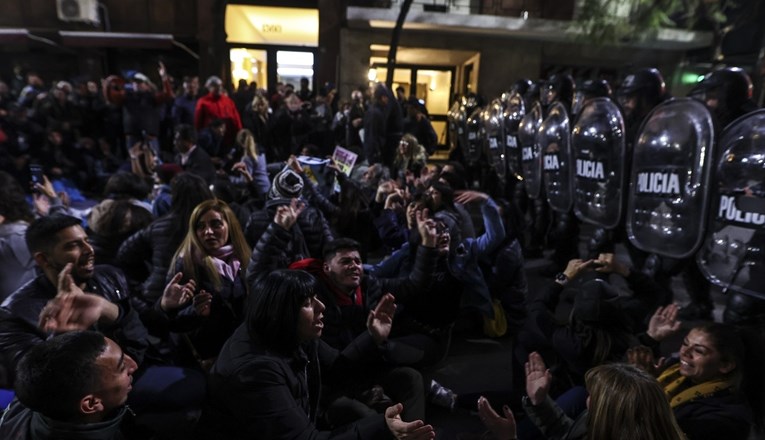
(679, 181)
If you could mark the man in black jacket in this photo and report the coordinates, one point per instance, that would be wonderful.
(72, 294)
(71, 386)
(190, 157)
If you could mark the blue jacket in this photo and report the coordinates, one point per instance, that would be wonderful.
(463, 261)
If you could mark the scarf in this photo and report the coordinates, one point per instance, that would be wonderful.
(226, 266)
(673, 382)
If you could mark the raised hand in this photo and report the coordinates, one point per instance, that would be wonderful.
(427, 228)
(642, 357)
(287, 215)
(241, 168)
(177, 295)
(576, 267)
(395, 200)
(294, 164)
(503, 428)
(606, 263)
(538, 379)
(416, 430)
(72, 309)
(202, 303)
(465, 197)
(380, 319)
(663, 323)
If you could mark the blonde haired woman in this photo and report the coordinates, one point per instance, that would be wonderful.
(252, 165)
(624, 403)
(205, 302)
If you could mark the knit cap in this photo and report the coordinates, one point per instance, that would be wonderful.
(287, 185)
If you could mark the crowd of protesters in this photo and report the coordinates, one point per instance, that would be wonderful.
(172, 269)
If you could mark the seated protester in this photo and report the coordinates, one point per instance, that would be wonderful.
(645, 414)
(311, 232)
(73, 293)
(371, 178)
(211, 138)
(190, 157)
(457, 282)
(397, 222)
(268, 379)
(715, 383)
(348, 212)
(146, 255)
(122, 213)
(343, 281)
(250, 165)
(603, 324)
(350, 295)
(410, 158)
(162, 194)
(504, 272)
(206, 302)
(66, 259)
(74, 385)
(442, 194)
(17, 263)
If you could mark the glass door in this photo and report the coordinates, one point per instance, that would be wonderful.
(291, 66)
(249, 65)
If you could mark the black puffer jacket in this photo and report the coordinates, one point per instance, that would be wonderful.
(19, 315)
(148, 253)
(309, 234)
(257, 393)
(207, 334)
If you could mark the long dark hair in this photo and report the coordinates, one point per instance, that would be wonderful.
(187, 191)
(273, 306)
(742, 346)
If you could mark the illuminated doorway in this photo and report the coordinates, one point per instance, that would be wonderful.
(249, 65)
(432, 85)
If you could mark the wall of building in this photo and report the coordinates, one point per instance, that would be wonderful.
(502, 60)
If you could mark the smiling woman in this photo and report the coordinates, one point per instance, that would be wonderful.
(716, 388)
(205, 299)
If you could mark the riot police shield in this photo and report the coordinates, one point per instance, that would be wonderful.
(733, 253)
(473, 147)
(669, 186)
(494, 133)
(531, 160)
(554, 139)
(455, 119)
(598, 149)
(513, 110)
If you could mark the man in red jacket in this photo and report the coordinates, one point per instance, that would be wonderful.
(216, 105)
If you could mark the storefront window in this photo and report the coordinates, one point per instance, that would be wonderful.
(249, 65)
(291, 66)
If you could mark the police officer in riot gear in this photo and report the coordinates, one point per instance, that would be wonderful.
(590, 89)
(727, 93)
(565, 227)
(638, 94)
(558, 87)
